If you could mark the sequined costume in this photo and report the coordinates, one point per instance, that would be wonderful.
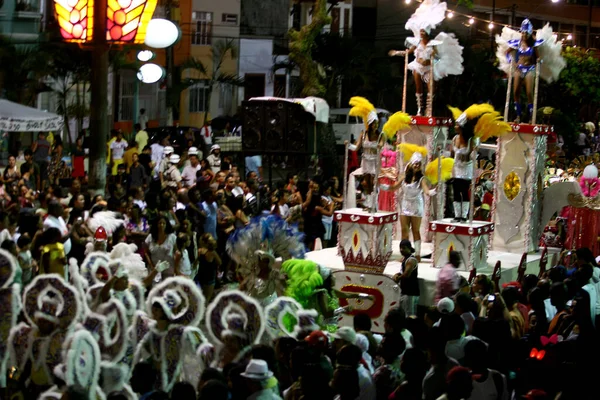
(369, 156)
(524, 54)
(412, 204)
(477, 123)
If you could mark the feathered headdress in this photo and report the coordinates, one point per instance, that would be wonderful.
(408, 150)
(527, 26)
(473, 123)
(303, 278)
(431, 170)
(397, 122)
(491, 124)
(429, 15)
(363, 108)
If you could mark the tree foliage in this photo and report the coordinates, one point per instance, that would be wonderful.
(580, 80)
(21, 71)
(302, 43)
(212, 75)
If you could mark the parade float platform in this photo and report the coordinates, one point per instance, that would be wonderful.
(428, 274)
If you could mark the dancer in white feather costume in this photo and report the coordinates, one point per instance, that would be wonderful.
(518, 53)
(445, 49)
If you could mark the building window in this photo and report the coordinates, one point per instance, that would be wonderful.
(203, 34)
(225, 97)
(198, 98)
(230, 19)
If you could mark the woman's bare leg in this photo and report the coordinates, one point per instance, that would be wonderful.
(405, 224)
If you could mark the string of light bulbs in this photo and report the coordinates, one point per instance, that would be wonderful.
(471, 20)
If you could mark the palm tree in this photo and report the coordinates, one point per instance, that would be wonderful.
(21, 71)
(212, 76)
(68, 67)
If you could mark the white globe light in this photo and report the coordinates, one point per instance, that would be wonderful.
(150, 73)
(145, 55)
(161, 33)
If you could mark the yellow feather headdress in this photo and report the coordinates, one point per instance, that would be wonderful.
(491, 124)
(490, 121)
(431, 170)
(397, 122)
(408, 149)
(361, 107)
(474, 111)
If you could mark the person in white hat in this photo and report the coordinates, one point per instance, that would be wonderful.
(343, 336)
(257, 374)
(158, 149)
(214, 159)
(164, 163)
(189, 171)
(172, 177)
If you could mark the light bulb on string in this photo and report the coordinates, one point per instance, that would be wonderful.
(471, 21)
(569, 37)
(407, 1)
(491, 25)
(450, 14)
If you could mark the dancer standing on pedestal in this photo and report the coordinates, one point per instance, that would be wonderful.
(414, 186)
(444, 49)
(370, 141)
(477, 123)
(518, 54)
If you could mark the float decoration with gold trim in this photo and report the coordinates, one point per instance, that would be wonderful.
(365, 239)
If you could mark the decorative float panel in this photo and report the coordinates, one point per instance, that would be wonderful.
(470, 240)
(365, 239)
(518, 194)
(383, 289)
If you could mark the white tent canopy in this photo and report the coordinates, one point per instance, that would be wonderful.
(19, 118)
(314, 105)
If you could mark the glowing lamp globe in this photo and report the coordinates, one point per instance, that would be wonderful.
(145, 55)
(150, 73)
(161, 33)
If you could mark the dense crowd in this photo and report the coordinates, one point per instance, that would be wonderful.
(534, 338)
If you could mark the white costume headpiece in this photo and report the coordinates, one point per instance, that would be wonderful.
(417, 157)
(430, 14)
(372, 117)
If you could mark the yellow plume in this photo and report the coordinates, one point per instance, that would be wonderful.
(408, 149)
(431, 170)
(491, 124)
(474, 111)
(477, 110)
(397, 122)
(361, 107)
(455, 112)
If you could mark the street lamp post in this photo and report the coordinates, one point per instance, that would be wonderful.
(99, 125)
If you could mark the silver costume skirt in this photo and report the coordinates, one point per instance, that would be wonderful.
(462, 170)
(412, 204)
(369, 164)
